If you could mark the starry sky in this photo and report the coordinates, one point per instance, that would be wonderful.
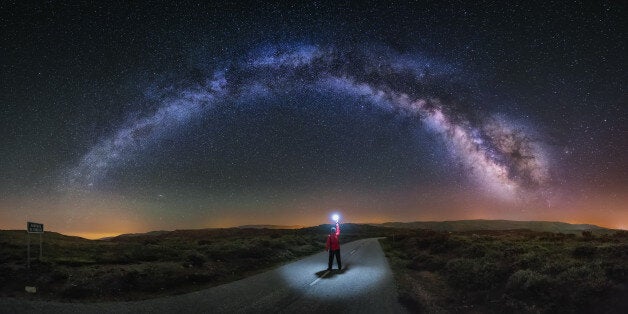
(133, 117)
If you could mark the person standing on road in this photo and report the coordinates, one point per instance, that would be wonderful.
(333, 246)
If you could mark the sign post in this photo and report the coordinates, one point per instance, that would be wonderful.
(33, 227)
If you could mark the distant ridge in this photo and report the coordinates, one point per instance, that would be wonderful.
(270, 227)
(131, 235)
(166, 232)
(453, 226)
(481, 224)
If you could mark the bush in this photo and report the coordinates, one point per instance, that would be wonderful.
(256, 252)
(461, 272)
(556, 265)
(74, 262)
(148, 253)
(77, 292)
(589, 276)
(59, 275)
(530, 260)
(201, 277)
(617, 251)
(527, 285)
(150, 241)
(278, 244)
(131, 278)
(617, 272)
(511, 252)
(621, 234)
(113, 258)
(474, 251)
(437, 242)
(585, 250)
(473, 274)
(427, 262)
(195, 259)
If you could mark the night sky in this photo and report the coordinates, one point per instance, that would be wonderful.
(123, 117)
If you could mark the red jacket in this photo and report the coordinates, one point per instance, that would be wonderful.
(332, 240)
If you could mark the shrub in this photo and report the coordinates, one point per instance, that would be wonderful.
(618, 251)
(531, 260)
(437, 242)
(617, 272)
(474, 251)
(201, 277)
(254, 252)
(149, 241)
(195, 259)
(585, 250)
(556, 265)
(583, 285)
(621, 234)
(473, 274)
(297, 240)
(77, 292)
(427, 262)
(145, 254)
(58, 275)
(426, 241)
(130, 278)
(512, 251)
(261, 242)
(461, 272)
(527, 285)
(74, 261)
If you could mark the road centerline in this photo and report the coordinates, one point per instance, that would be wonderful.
(319, 278)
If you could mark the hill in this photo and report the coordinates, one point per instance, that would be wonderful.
(373, 229)
(19, 236)
(270, 227)
(480, 224)
(350, 231)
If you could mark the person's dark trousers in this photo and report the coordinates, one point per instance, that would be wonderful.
(331, 258)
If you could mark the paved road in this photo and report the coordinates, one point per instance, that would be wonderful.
(365, 285)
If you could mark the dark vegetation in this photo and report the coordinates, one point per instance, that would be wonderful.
(436, 271)
(148, 265)
(511, 271)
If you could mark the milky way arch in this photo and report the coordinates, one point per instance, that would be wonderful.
(499, 156)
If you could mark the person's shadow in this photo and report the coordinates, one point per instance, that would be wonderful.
(324, 274)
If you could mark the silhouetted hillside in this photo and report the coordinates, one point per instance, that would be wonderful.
(269, 227)
(13, 236)
(473, 225)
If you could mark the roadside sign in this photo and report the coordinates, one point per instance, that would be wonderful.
(33, 227)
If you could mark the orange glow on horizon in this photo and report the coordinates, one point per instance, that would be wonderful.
(107, 217)
(93, 235)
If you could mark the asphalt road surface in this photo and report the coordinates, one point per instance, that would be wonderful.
(365, 285)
